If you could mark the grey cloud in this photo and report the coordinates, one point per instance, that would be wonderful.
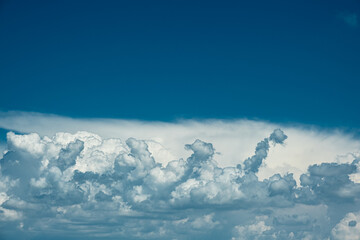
(253, 163)
(67, 156)
(278, 136)
(331, 181)
(352, 223)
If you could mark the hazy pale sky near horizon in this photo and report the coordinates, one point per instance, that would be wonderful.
(180, 119)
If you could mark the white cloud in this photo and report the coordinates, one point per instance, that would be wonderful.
(204, 222)
(234, 140)
(253, 231)
(347, 228)
(111, 186)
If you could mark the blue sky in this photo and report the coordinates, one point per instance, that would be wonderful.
(180, 119)
(281, 61)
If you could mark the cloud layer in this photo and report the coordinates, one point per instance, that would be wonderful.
(234, 140)
(208, 179)
(80, 185)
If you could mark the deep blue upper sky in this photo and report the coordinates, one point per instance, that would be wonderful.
(296, 61)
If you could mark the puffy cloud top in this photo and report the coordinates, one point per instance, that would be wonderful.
(84, 186)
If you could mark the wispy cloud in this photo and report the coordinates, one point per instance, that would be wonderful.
(350, 19)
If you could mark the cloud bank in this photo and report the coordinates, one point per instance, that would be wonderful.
(234, 140)
(83, 185)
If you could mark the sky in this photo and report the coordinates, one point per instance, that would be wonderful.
(179, 119)
(163, 60)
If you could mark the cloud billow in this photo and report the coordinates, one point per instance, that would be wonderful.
(82, 186)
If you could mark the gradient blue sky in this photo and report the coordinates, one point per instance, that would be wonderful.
(281, 61)
(193, 164)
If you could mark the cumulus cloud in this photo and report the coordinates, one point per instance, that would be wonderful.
(253, 163)
(234, 140)
(253, 231)
(347, 228)
(83, 185)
